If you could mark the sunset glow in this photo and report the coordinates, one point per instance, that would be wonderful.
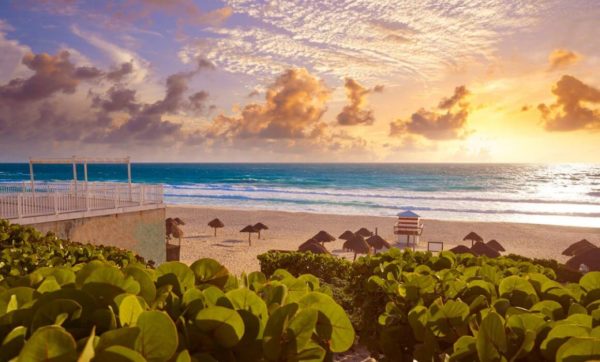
(301, 81)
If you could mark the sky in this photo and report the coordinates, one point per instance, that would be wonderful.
(301, 80)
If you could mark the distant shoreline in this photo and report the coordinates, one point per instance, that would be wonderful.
(250, 209)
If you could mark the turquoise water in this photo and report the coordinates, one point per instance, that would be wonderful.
(549, 194)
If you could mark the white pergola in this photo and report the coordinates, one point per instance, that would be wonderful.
(75, 160)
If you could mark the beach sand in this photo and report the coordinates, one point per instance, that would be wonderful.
(287, 230)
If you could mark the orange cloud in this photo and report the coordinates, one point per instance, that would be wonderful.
(437, 124)
(354, 113)
(294, 105)
(569, 112)
(562, 58)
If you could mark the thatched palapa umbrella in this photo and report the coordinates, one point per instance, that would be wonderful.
(494, 244)
(377, 242)
(358, 245)
(216, 224)
(481, 249)
(313, 246)
(346, 235)
(590, 259)
(461, 249)
(473, 237)
(323, 237)
(578, 247)
(364, 232)
(249, 229)
(259, 227)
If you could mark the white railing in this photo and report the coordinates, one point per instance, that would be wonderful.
(22, 199)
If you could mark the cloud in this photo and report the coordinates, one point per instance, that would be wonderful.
(60, 112)
(446, 122)
(293, 107)
(355, 113)
(562, 58)
(119, 73)
(52, 74)
(389, 40)
(186, 11)
(139, 67)
(572, 109)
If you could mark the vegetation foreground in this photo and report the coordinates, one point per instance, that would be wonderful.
(62, 301)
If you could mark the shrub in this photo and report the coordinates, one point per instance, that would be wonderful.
(417, 306)
(97, 311)
(24, 249)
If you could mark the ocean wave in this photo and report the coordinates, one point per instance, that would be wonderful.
(382, 195)
(367, 205)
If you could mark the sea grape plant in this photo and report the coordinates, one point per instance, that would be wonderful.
(96, 311)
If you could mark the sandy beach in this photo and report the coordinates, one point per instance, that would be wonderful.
(287, 230)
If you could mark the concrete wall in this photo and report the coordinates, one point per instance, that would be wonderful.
(140, 231)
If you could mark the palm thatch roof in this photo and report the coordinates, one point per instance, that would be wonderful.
(323, 237)
(364, 232)
(580, 246)
(494, 244)
(357, 244)
(249, 229)
(377, 242)
(461, 249)
(346, 235)
(473, 236)
(260, 226)
(216, 223)
(481, 249)
(591, 259)
(313, 247)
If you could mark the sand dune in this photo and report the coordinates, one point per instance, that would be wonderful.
(287, 230)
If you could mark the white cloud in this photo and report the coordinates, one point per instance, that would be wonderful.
(370, 40)
(12, 53)
(117, 54)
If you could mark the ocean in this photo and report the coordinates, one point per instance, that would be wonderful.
(541, 194)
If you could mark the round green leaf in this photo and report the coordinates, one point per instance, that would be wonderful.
(119, 354)
(579, 349)
(333, 324)
(177, 274)
(210, 271)
(518, 290)
(50, 343)
(158, 337)
(491, 338)
(224, 324)
(129, 310)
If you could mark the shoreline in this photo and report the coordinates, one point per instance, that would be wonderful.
(288, 229)
(258, 209)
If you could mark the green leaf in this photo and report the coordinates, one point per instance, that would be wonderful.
(518, 290)
(579, 349)
(448, 320)
(491, 339)
(50, 312)
(549, 308)
(333, 324)
(558, 335)
(158, 338)
(88, 350)
(119, 354)
(13, 343)
(224, 324)
(50, 343)
(301, 328)
(147, 287)
(274, 336)
(177, 274)
(248, 300)
(465, 349)
(209, 271)
(125, 337)
(129, 310)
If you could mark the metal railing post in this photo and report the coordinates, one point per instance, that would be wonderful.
(55, 199)
(19, 206)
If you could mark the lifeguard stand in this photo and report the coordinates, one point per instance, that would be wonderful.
(408, 224)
